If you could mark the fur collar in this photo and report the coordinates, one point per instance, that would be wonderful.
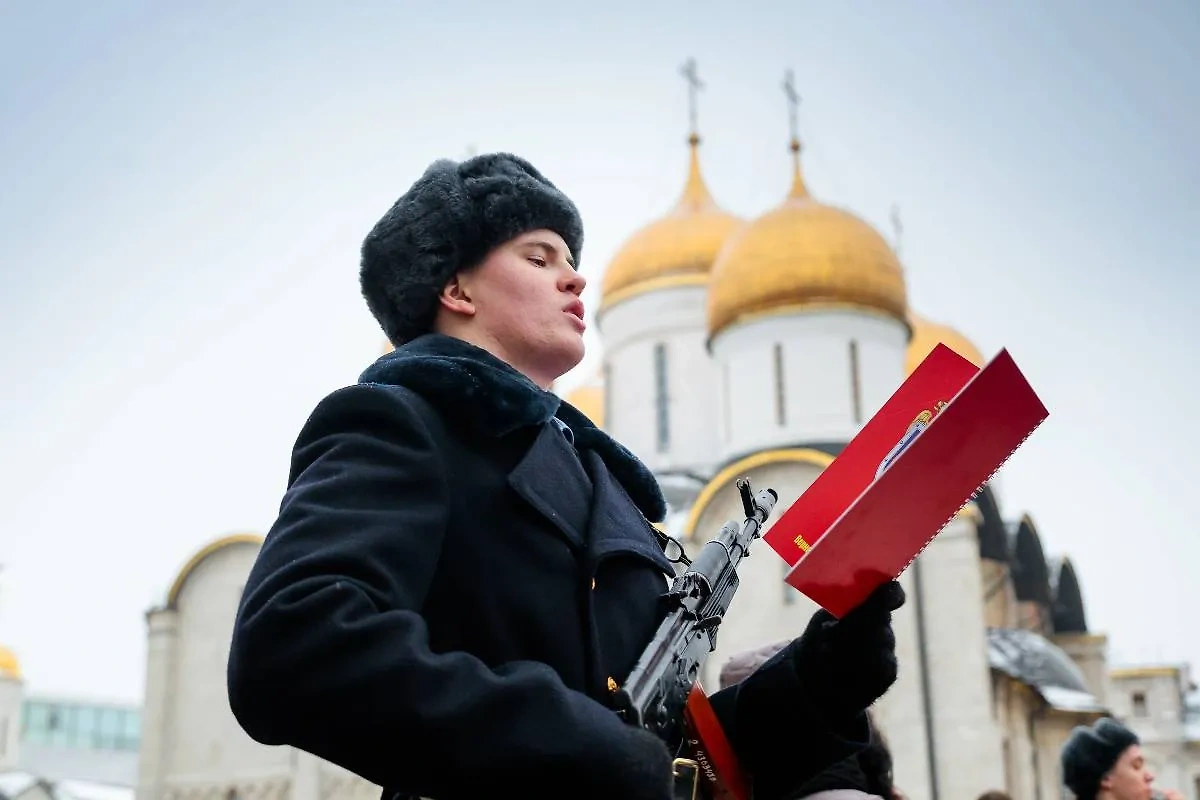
(469, 384)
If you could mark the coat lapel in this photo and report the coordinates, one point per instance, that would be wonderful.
(552, 480)
(577, 494)
(616, 525)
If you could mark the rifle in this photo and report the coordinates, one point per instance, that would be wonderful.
(662, 693)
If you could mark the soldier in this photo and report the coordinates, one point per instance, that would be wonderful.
(1105, 762)
(463, 565)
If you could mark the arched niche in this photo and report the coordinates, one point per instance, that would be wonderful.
(993, 539)
(1067, 612)
(1030, 574)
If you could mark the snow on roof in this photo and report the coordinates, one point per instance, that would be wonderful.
(1039, 663)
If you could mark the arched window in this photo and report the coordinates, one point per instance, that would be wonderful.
(780, 395)
(661, 397)
(855, 385)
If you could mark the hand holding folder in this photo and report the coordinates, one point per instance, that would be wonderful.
(938, 439)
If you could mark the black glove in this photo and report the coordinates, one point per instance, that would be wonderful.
(849, 663)
(646, 775)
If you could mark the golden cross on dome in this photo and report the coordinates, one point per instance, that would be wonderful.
(799, 190)
(694, 85)
(789, 90)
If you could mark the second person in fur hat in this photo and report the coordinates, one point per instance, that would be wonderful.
(463, 565)
(1105, 762)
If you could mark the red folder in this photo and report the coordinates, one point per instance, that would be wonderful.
(939, 438)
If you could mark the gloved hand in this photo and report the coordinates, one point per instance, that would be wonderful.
(849, 663)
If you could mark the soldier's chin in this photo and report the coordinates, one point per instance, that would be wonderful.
(571, 352)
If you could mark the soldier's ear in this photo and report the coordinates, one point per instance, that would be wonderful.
(455, 296)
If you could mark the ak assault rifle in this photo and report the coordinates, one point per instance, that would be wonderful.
(661, 694)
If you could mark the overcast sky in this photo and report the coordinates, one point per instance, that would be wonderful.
(185, 189)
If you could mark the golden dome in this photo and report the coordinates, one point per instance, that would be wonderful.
(10, 667)
(589, 399)
(804, 254)
(677, 249)
(927, 335)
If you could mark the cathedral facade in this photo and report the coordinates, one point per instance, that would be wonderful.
(758, 348)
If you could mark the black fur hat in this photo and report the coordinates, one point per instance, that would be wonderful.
(447, 221)
(1090, 753)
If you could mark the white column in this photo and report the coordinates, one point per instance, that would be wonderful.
(900, 713)
(967, 737)
(162, 630)
(306, 776)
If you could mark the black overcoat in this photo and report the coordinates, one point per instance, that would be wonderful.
(451, 582)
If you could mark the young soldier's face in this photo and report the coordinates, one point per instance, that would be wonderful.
(1129, 779)
(522, 304)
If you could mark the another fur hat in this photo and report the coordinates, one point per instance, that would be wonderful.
(741, 665)
(1090, 753)
(447, 221)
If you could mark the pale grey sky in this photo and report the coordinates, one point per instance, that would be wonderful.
(185, 190)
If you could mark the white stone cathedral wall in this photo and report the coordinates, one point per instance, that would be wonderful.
(967, 742)
(1032, 616)
(37, 792)
(1015, 706)
(11, 693)
(204, 743)
(161, 646)
(817, 377)
(315, 779)
(1051, 732)
(631, 329)
(1163, 720)
(273, 787)
(900, 713)
(339, 784)
(1191, 781)
(1000, 607)
(1089, 651)
(966, 734)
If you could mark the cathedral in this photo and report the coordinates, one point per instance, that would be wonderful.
(758, 348)
(754, 348)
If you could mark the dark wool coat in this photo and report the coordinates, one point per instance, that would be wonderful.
(450, 584)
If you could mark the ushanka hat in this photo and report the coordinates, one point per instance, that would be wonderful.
(448, 221)
(741, 665)
(1090, 753)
